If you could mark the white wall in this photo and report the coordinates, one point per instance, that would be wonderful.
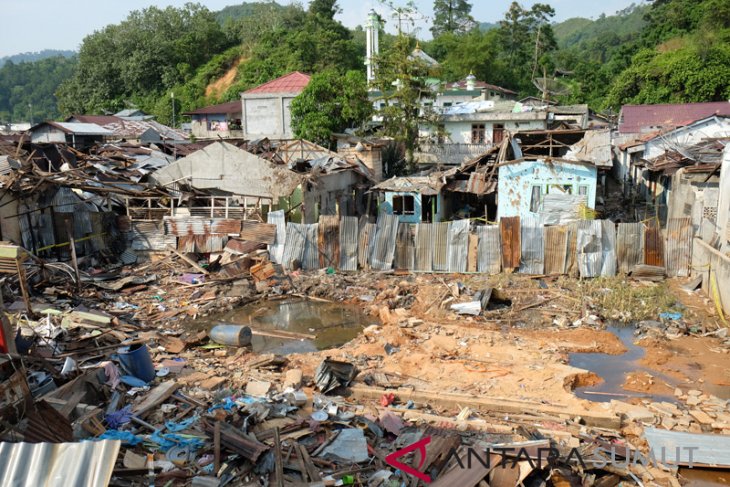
(48, 134)
(723, 203)
(460, 131)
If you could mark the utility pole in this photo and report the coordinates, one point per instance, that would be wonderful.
(172, 95)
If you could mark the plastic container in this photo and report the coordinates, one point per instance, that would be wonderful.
(136, 361)
(233, 335)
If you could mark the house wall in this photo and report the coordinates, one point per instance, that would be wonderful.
(372, 158)
(694, 196)
(48, 135)
(333, 194)
(514, 187)
(715, 269)
(203, 126)
(460, 131)
(723, 202)
(267, 115)
(9, 224)
(387, 206)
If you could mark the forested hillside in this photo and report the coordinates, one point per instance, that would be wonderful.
(35, 56)
(664, 51)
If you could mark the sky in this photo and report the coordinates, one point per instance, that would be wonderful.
(34, 25)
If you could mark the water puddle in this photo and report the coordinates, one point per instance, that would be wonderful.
(613, 369)
(333, 324)
(698, 477)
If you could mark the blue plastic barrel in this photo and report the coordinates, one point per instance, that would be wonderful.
(136, 361)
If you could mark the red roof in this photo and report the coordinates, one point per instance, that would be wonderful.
(289, 83)
(224, 108)
(640, 118)
(97, 119)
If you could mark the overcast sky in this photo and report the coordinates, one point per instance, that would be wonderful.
(33, 25)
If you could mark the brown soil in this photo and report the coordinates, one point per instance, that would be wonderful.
(219, 86)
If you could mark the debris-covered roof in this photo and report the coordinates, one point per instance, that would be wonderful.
(427, 185)
(76, 128)
(221, 108)
(479, 85)
(289, 83)
(705, 156)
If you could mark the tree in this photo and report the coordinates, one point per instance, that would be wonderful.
(325, 9)
(330, 103)
(452, 17)
(401, 80)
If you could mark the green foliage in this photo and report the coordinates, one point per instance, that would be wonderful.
(451, 17)
(141, 58)
(330, 103)
(245, 10)
(27, 88)
(29, 57)
(477, 52)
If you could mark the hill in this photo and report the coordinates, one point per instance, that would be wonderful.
(36, 56)
(625, 24)
(244, 10)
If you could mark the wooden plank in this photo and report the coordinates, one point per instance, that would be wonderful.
(471, 261)
(653, 245)
(278, 462)
(188, 260)
(157, 396)
(511, 243)
(217, 447)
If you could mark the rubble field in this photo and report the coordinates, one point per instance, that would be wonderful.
(426, 365)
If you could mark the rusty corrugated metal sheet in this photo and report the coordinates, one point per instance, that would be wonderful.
(589, 254)
(424, 247)
(571, 264)
(386, 231)
(440, 244)
(296, 235)
(202, 244)
(608, 248)
(532, 246)
(151, 236)
(653, 245)
(489, 255)
(85, 464)
(629, 246)
(457, 247)
(329, 241)
(310, 257)
(183, 226)
(255, 231)
(348, 243)
(276, 250)
(679, 246)
(405, 246)
(556, 249)
(364, 250)
(511, 247)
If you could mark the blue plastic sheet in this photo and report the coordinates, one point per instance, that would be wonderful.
(182, 425)
(670, 316)
(118, 418)
(126, 437)
(168, 440)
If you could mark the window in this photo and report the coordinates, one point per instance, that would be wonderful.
(404, 205)
(382, 104)
(447, 104)
(477, 133)
(560, 189)
(583, 190)
(536, 200)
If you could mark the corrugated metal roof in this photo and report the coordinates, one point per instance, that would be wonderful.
(639, 118)
(532, 247)
(705, 450)
(183, 226)
(489, 254)
(296, 234)
(440, 245)
(289, 83)
(386, 231)
(276, 250)
(310, 257)
(588, 250)
(424, 247)
(629, 246)
(349, 229)
(86, 464)
(150, 235)
(78, 128)
(679, 246)
(329, 241)
(556, 249)
(405, 246)
(457, 247)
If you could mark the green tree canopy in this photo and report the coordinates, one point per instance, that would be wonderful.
(331, 102)
(452, 17)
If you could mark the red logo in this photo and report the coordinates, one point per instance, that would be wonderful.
(420, 445)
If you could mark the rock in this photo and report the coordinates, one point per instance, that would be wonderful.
(668, 423)
(678, 392)
(695, 428)
(693, 400)
(694, 392)
(701, 416)
(665, 408)
(212, 383)
(258, 388)
(293, 379)
(371, 330)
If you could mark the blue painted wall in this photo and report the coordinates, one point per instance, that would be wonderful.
(514, 188)
(387, 206)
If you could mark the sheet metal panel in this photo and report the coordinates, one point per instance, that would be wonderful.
(702, 449)
(510, 237)
(364, 249)
(561, 208)
(84, 464)
(253, 231)
(349, 230)
(532, 247)
(489, 254)
(296, 235)
(589, 252)
(440, 244)
(608, 248)
(629, 246)
(556, 249)
(310, 258)
(405, 246)
(147, 235)
(202, 244)
(384, 244)
(329, 241)
(571, 264)
(653, 245)
(679, 246)
(190, 225)
(458, 245)
(276, 250)
(424, 247)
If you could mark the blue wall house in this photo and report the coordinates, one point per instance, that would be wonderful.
(526, 185)
(414, 199)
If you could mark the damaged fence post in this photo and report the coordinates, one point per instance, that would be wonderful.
(72, 244)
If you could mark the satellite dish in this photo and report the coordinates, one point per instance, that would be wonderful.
(551, 87)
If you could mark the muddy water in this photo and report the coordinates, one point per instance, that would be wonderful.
(697, 477)
(333, 324)
(613, 370)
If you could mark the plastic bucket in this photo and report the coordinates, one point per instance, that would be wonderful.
(233, 335)
(136, 361)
